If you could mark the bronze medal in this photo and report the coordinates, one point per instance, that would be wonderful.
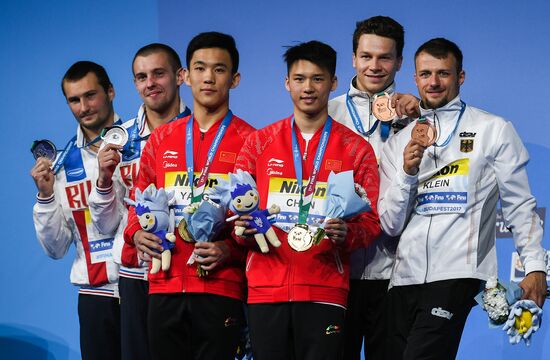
(299, 237)
(424, 132)
(382, 109)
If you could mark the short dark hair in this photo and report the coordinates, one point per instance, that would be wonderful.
(314, 51)
(173, 57)
(440, 48)
(382, 26)
(214, 39)
(80, 69)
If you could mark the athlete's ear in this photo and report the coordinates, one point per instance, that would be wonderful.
(334, 83)
(236, 79)
(287, 83)
(180, 76)
(186, 79)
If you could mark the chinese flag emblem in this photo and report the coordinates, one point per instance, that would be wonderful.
(333, 165)
(228, 157)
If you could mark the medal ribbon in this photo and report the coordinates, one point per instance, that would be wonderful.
(134, 137)
(357, 120)
(196, 197)
(307, 196)
(70, 145)
(446, 142)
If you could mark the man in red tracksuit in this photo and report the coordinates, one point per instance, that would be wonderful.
(297, 299)
(190, 316)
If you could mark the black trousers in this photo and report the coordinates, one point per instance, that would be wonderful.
(297, 331)
(134, 299)
(366, 319)
(194, 326)
(426, 321)
(99, 318)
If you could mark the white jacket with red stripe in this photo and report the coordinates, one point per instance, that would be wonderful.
(64, 218)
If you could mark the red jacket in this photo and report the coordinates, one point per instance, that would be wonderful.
(320, 274)
(163, 164)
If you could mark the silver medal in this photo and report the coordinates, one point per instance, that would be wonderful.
(299, 237)
(116, 135)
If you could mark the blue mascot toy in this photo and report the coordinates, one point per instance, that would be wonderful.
(152, 208)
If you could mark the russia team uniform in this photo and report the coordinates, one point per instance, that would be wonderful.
(370, 267)
(63, 219)
(447, 243)
(297, 299)
(109, 214)
(200, 316)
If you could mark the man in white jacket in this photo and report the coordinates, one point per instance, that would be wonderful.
(439, 193)
(158, 74)
(377, 56)
(62, 217)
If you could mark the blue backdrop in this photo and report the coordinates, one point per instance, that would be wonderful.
(506, 52)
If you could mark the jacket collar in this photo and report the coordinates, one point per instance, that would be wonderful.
(444, 113)
(355, 92)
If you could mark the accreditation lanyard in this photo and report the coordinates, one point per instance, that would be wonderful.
(446, 142)
(307, 196)
(384, 128)
(196, 197)
(134, 136)
(70, 145)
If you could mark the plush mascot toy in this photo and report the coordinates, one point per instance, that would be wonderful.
(152, 209)
(245, 200)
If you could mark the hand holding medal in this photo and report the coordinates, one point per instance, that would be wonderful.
(423, 135)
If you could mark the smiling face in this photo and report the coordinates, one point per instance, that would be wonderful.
(309, 86)
(438, 80)
(147, 221)
(375, 62)
(156, 81)
(247, 202)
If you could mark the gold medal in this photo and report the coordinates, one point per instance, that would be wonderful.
(424, 132)
(184, 233)
(299, 237)
(382, 109)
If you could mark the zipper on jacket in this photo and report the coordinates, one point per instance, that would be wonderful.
(249, 262)
(427, 249)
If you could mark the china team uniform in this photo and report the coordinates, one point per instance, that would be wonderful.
(370, 267)
(64, 219)
(297, 299)
(109, 214)
(446, 217)
(188, 314)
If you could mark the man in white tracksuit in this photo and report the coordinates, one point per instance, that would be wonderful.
(158, 75)
(377, 56)
(62, 216)
(442, 200)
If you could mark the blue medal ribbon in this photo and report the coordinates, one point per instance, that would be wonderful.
(189, 162)
(305, 204)
(446, 142)
(384, 127)
(58, 164)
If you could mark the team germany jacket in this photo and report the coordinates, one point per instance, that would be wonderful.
(446, 213)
